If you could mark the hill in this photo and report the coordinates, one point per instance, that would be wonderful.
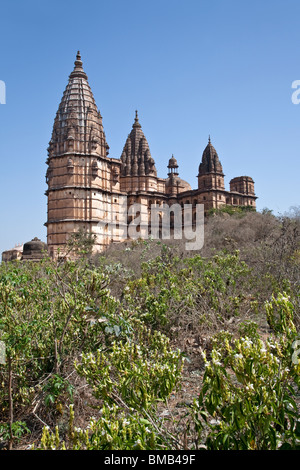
(148, 346)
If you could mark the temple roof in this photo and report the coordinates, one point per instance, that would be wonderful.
(78, 118)
(136, 157)
(34, 249)
(175, 181)
(210, 160)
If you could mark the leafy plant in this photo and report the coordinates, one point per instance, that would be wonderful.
(280, 314)
(55, 388)
(114, 430)
(247, 400)
(138, 372)
(19, 429)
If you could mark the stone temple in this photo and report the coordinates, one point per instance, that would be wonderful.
(87, 187)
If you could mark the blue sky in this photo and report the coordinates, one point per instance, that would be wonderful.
(191, 68)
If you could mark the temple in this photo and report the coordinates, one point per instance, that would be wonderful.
(86, 186)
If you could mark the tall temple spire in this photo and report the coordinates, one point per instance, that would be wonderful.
(78, 121)
(78, 139)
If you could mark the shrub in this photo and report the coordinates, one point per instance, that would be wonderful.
(138, 372)
(114, 430)
(247, 400)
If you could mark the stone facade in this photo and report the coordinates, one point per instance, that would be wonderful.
(33, 250)
(85, 184)
(13, 254)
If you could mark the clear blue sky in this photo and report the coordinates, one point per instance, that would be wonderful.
(191, 68)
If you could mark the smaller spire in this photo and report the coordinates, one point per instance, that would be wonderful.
(210, 162)
(173, 162)
(173, 165)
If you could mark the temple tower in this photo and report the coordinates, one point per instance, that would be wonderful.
(138, 172)
(211, 178)
(80, 176)
(210, 174)
(242, 192)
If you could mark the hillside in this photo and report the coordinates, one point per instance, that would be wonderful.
(149, 346)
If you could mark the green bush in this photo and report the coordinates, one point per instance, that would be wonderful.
(129, 379)
(114, 430)
(104, 340)
(248, 396)
(139, 371)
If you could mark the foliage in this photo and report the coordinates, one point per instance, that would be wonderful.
(81, 244)
(19, 429)
(231, 210)
(139, 371)
(178, 287)
(280, 314)
(129, 379)
(55, 388)
(247, 400)
(114, 430)
(94, 347)
(44, 320)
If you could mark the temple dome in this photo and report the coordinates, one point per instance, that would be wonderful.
(210, 160)
(34, 249)
(173, 162)
(175, 181)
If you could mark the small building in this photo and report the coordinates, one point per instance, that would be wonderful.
(13, 254)
(34, 250)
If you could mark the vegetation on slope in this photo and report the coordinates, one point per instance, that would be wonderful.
(148, 346)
